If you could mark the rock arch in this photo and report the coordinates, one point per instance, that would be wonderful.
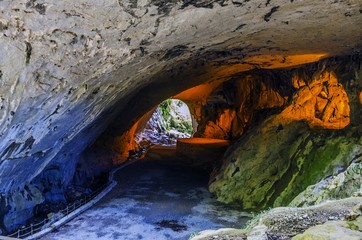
(75, 72)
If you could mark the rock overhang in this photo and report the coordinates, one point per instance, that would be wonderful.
(66, 65)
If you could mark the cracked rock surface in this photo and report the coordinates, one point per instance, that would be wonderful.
(69, 68)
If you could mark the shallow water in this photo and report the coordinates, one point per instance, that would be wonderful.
(153, 200)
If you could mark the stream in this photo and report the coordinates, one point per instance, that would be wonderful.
(153, 200)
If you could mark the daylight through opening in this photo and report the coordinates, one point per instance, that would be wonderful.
(170, 121)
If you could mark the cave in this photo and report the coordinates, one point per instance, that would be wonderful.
(274, 90)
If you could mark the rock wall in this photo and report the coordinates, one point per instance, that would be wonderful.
(72, 70)
(345, 184)
(322, 103)
(234, 105)
(275, 161)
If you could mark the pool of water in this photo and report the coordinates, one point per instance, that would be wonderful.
(153, 200)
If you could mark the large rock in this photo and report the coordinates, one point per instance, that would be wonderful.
(349, 229)
(274, 162)
(323, 221)
(323, 102)
(231, 107)
(345, 184)
(330, 231)
(201, 152)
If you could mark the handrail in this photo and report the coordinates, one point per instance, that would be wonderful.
(36, 227)
(32, 229)
(8, 238)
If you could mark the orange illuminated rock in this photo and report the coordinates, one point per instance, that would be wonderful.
(360, 97)
(323, 103)
(232, 104)
(123, 144)
(196, 97)
(269, 98)
(161, 152)
(206, 142)
(222, 127)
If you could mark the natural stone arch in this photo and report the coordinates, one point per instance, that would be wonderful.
(70, 69)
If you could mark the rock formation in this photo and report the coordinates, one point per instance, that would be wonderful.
(77, 75)
(295, 148)
(345, 184)
(323, 221)
(350, 228)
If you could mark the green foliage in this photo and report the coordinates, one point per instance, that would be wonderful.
(174, 123)
(187, 127)
(165, 109)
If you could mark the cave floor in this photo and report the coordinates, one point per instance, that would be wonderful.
(153, 200)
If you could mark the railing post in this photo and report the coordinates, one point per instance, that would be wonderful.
(69, 208)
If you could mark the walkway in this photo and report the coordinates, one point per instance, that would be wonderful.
(153, 200)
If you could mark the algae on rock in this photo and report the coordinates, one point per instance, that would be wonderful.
(349, 229)
(333, 230)
(303, 144)
(274, 163)
(345, 184)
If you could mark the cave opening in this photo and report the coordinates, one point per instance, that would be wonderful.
(225, 109)
(164, 190)
(169, 121)
(274, 89)
(230, 127)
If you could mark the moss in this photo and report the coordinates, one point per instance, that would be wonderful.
(324, 155)
(264, 165)
(355, 224)
(275, 166)
(250, 224)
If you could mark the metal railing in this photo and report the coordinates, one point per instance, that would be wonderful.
(30, 230)
(27, 231)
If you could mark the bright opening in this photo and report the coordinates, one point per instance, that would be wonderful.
(170, 120)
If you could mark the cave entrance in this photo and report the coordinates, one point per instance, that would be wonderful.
(169, 121)
(168, 134)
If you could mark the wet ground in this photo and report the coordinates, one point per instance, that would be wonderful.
(153, 200)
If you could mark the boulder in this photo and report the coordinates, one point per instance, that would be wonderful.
(345, 184)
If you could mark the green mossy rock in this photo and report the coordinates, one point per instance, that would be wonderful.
(272, 164)
(334, 230)
(345, 184)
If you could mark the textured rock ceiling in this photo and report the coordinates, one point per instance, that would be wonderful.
(67, 68)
